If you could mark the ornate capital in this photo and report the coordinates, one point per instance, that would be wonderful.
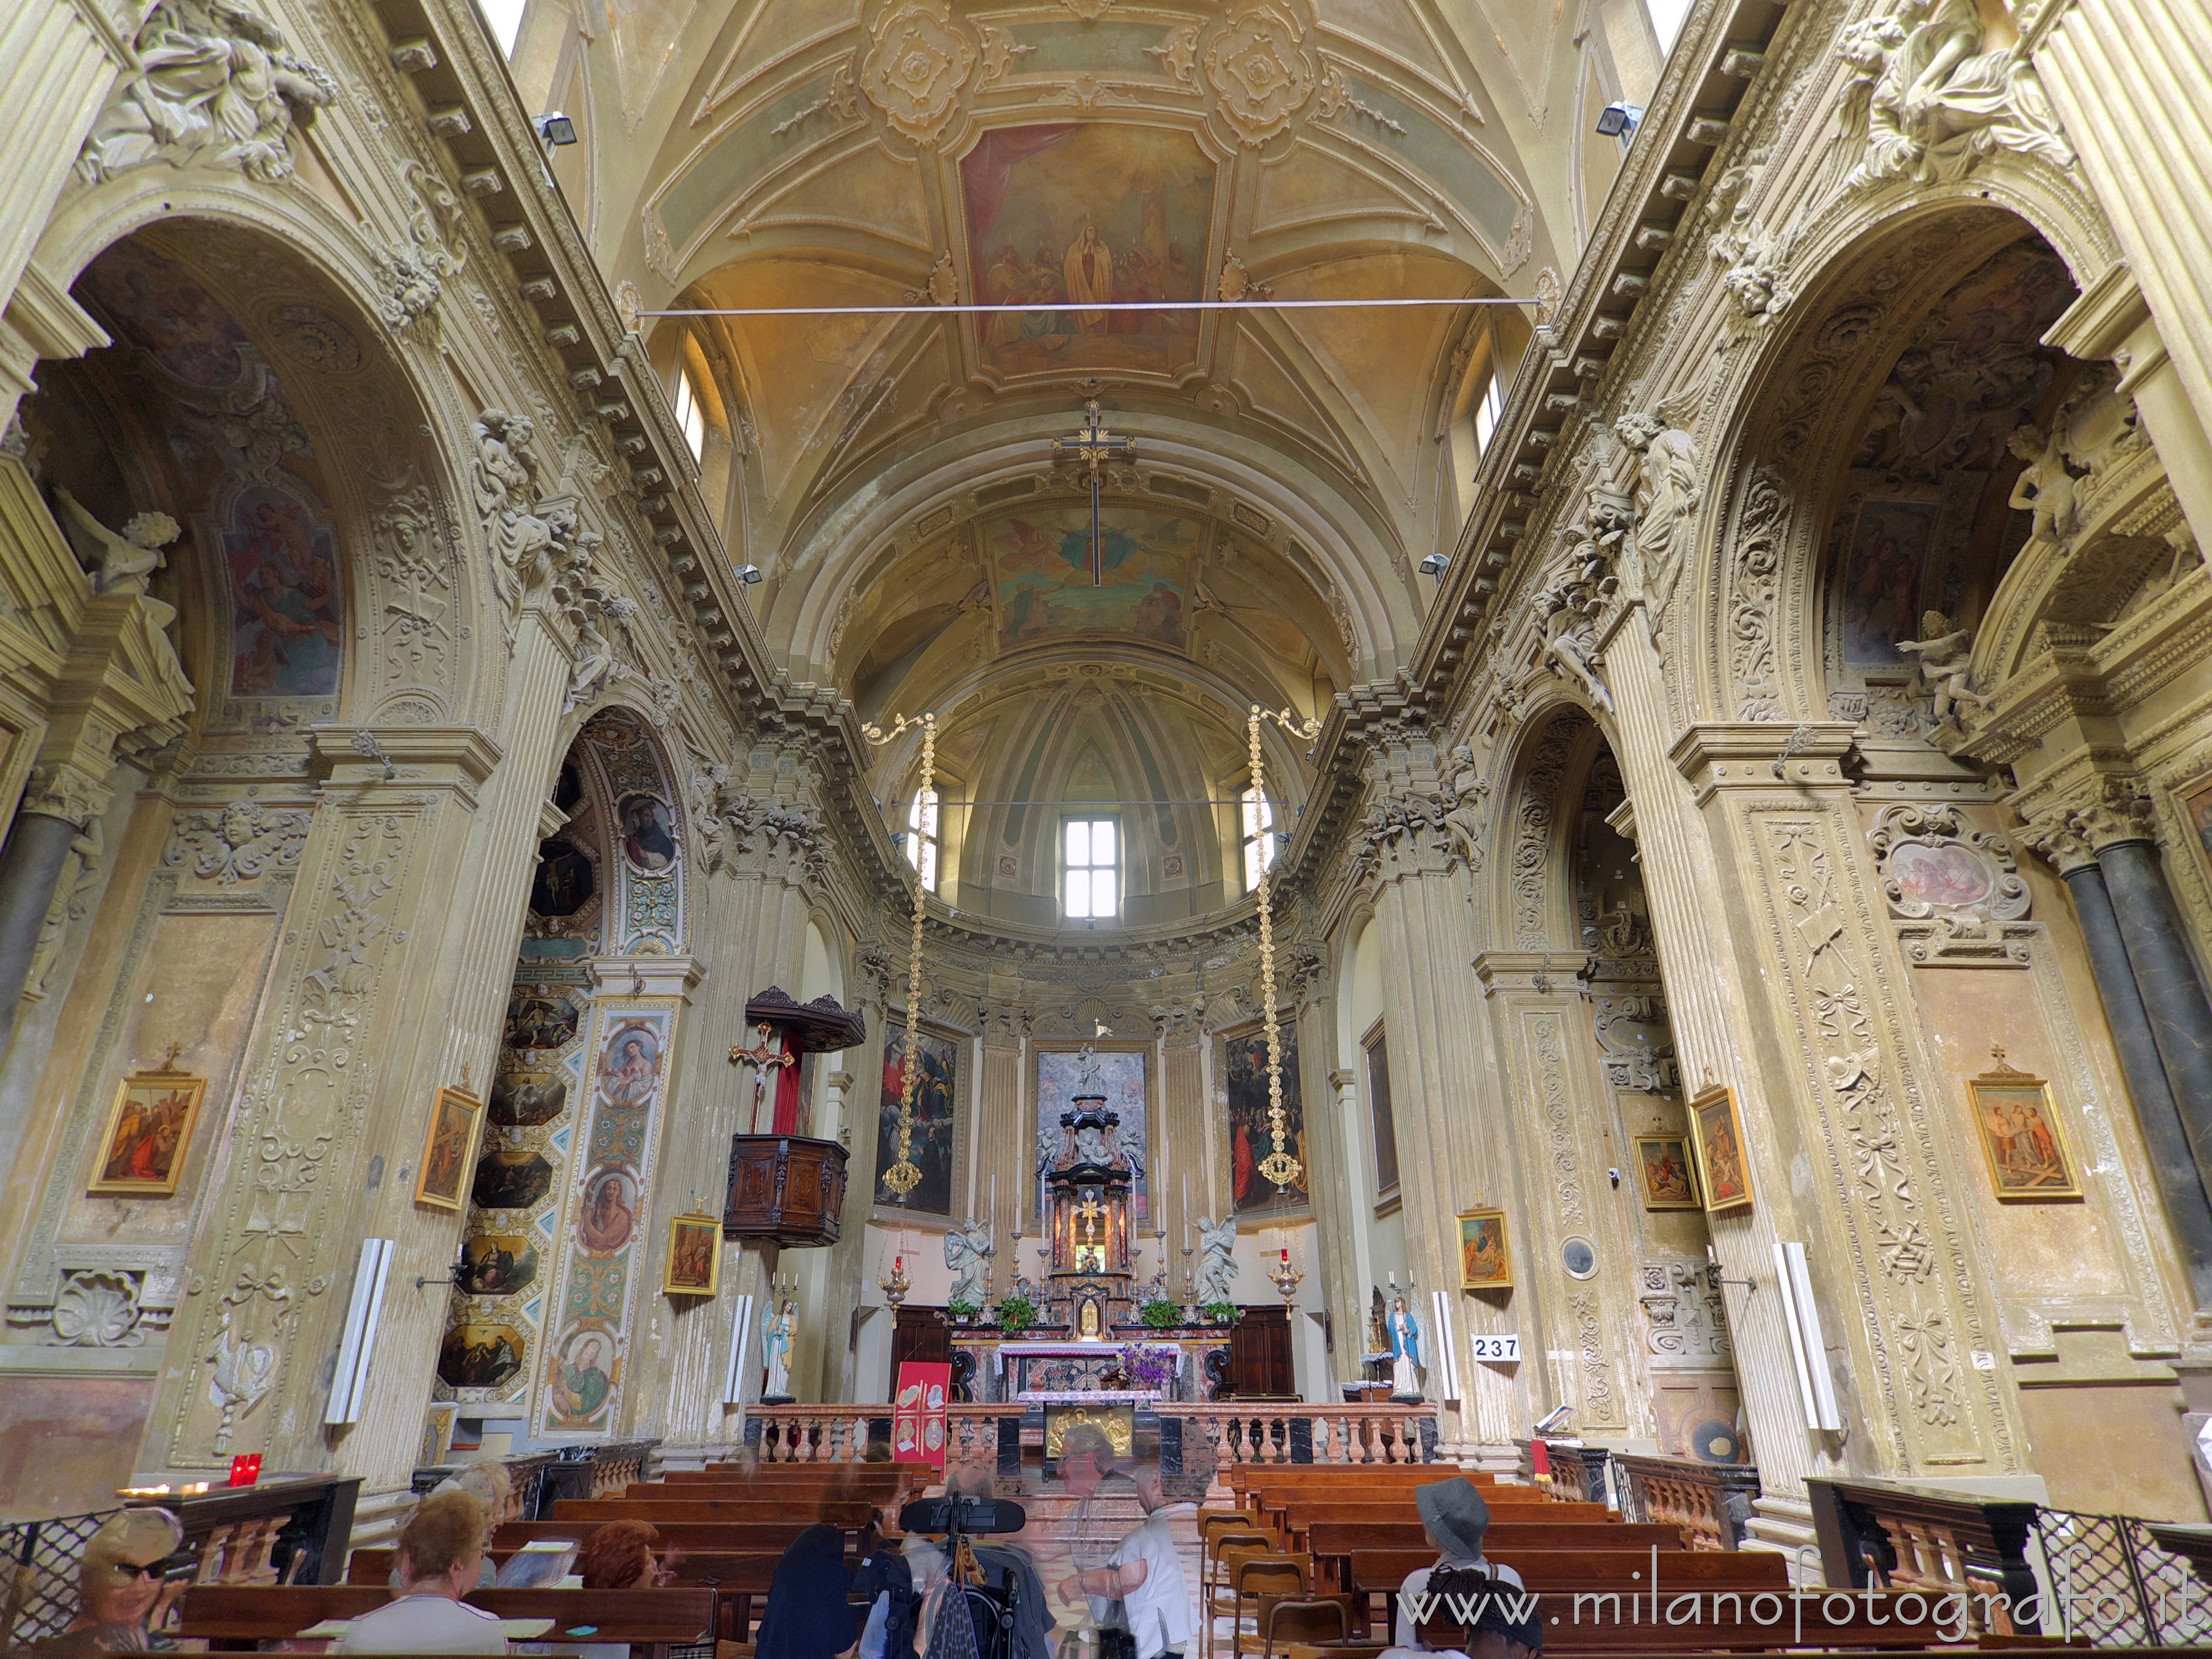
(2055, 836)
(65, 790)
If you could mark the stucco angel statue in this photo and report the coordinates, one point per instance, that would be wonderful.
(1944, 654)
(968, 1250)
(1217, 1264)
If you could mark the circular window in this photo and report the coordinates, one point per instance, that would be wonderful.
(1580, 1256)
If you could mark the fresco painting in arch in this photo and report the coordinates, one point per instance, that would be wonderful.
(1074, 216)
(1041, 560)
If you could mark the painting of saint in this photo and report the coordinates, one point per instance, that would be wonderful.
(1664, 1162)
(609, 1213)
(695, 1256)
(287, 637)
(498, 1264)
(629, 1065)
(2018, 1123)
(148, 1129)
(934, 1142)
(1073, 217)
(1251, 1131)
(480, 1355)
(564, 881)
(648, 834)
(1882, 579)
(583, 1380)
(1486, 1262)
(1722, 1173)
(522, 1097)
(1042, 558)
(510, 1181)
(446, 1154)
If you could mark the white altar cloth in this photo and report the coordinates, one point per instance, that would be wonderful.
(1087, 1396)
(1082, 1351)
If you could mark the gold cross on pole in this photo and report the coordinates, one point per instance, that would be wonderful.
(1094, 446)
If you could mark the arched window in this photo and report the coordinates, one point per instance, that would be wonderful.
(1255, 829)
(690, 414)
(922, 836)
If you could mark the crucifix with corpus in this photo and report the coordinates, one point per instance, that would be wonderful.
(1094, 446)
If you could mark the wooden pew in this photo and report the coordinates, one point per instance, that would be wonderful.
(227, 1614)
(1295, 1519)
(1332, 1543)
(1240, 1475)
(740, 1579)
(841, 1513)
(736, 1538)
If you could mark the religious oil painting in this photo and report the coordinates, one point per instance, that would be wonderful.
(1882, 579)
(629, 1065)
(287, 639)
(1485, 1256)
(695, 1256)
(1121, 1079)
(1042, 558)
(935, 1143)
(610, 1213)
(1948, 875)
(1251, 1130)
(510, 1180)
(542, 1017)
(583, 1380)
(564, 881)
(2017, 1119)
(1072, 217)
(2197, 804)
(1663, 1167)
(481, 1356)
(148, 1129)
(648, 833)
(525, 1096)
(446, 1154)
(1722, 1171)
(498, 1264)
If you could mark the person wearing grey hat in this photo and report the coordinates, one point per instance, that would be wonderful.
(1454, 1517)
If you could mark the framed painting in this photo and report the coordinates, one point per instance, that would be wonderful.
(2196, 808)
(1486, 1255)
(147, 1131)
(936, 1141)
(695, 1256)
(1722, 1173)
(1664, 1168)
(2017, 1120)
(446, 1154)
(1251, 1130)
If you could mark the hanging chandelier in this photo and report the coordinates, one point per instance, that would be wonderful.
(1279, 1168)
(903, 1177)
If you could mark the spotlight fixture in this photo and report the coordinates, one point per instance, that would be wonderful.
(1435, 565)
(1618, 120)
(749, 574)
(555, 130)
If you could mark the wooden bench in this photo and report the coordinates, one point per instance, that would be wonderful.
(841, 1513)
(1332, 1543)
(225, 1615)
(746, 1537)
(1241, 1475)
(740, 1579)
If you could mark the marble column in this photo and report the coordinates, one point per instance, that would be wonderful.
(2166, 974)
(2183, 1173)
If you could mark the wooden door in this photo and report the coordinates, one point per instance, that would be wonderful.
(1260, 1355)
(920, 1333)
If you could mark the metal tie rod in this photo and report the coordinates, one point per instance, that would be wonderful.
(921, 310)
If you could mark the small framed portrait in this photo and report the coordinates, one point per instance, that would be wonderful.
(447, 1153)
(147, 1132)
(2017, 1120)
(1722, 1172)
(694, 1255)
(1663, 1166)
(1486, 1258)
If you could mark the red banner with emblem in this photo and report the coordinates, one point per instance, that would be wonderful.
(918, 1412)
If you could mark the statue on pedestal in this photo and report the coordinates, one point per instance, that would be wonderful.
(968, 1250)
(1216, 1266)
(775, 1349)
(1405, 1351)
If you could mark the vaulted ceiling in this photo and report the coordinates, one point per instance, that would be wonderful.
(892, 475)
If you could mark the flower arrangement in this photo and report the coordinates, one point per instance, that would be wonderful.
(1160, 1313)
(1222, 1313)
(1016, 1313)
(1148, 1369)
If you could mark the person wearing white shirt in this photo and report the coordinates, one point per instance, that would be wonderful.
(1145, 1575)
(440, 1549)
(1454, 1517)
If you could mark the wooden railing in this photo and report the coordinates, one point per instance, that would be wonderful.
(1895, 1536)
(1711, 1501)
(1276, 1432)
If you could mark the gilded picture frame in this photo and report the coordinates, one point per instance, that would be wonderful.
(149, 1130)
(2016, 1119)
(694, 1267)
(1486, 1251)
(1723, 1170)
(1666, 1173)
(449, 1150)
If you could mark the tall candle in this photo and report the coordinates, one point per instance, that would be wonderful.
(1186, 1213)
(995, 1206)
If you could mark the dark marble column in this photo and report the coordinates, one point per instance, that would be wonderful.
(29, 867)
(2166, 973)
(2182, 1181)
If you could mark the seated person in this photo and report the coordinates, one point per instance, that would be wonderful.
(120, 1590)
(441, 1549)
(618, 1556)
(1472, 1613)
(807, 1615)
(1454, 1517)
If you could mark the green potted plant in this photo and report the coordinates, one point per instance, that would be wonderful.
(1016, 1313)
(963, 1313)
(1222, 1313)
(1160, 1313)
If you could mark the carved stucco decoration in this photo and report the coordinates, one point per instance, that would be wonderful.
(236, 842)
(1928, 101)
(1261, 70)
(414, 563)
(915, 65)
(1760, 531)
(1934, 868)
(1686, 1320)
(98, 1309)
(1636, 1045)
(214, 85)
(1667, 497)
(1532, 833)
